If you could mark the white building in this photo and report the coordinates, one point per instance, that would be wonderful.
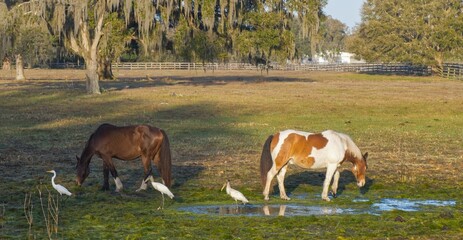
(342, 57)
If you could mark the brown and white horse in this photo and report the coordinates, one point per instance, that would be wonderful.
(328, 149)
(126, 143)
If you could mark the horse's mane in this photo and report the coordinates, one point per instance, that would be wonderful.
(87, 152)
(351, 146)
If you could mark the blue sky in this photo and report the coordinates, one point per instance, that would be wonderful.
(346, 11)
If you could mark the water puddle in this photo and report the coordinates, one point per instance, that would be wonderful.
(387, 204)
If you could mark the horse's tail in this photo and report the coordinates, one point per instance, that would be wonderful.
(165, 160)
(266, 161)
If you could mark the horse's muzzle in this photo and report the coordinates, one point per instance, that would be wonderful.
(361, 183)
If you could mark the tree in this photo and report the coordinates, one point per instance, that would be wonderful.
(28, 41)
(113, 44)
(260, 36)
(333, 34)
(4, 39)
(420, 32)
(264, 34)
(309, 15)
(81, 24)
(34, 44)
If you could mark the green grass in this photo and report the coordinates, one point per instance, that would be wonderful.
(217, 123)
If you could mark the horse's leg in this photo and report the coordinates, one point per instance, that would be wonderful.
(271, 173)
(281, 181)
(334, 187)
(105, 176)
(147, 170)
(156, 160)
(330, 170)
(110, 165)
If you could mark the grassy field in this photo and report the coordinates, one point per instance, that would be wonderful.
(217, 123)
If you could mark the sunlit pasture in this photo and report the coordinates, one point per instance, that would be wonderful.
(217, 122)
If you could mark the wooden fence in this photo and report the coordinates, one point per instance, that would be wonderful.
(453, 70)
(404, 69)
(396, 68)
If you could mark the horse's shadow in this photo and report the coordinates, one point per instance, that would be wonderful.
(183, 173)
(292, 181)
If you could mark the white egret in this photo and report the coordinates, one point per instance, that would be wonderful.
(235, 194)
(62, 190)
(161, 188)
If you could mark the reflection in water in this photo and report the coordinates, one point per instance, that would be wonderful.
(267, 210)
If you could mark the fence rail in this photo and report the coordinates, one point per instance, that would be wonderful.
(390, 68)
(453, 70)
(405, 69)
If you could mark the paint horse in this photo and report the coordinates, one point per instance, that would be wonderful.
(126, 143)
(328, 149)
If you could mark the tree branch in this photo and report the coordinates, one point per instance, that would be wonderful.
(98, 32)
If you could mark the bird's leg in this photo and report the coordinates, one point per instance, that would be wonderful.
(162, 200)
(162, 205)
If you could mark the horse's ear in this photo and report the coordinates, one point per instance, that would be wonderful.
(365, 156)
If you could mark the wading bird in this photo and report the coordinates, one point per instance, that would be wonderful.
(62, 190)
(234, 193)
(161, 188)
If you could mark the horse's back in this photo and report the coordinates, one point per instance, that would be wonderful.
(116, 140)
(340, 143)
(324, 147)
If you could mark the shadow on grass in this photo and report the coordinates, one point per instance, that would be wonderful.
(43, 133)
(196, 132)
(152, 81)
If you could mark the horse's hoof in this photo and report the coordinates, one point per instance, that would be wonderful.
(326, 199)
(266, 198)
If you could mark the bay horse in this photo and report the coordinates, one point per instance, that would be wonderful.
(328, 149)
(126, 143)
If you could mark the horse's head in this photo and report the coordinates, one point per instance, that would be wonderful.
(82, 170)
(359, 169)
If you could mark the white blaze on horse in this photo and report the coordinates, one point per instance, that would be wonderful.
(328, 149)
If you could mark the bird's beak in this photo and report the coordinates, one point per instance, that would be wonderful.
(223, 187)
(49, 171)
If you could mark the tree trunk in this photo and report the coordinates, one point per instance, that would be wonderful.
(91, 75)
(6, 64)
(19, 68)
(439, 67)
(105, 70)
